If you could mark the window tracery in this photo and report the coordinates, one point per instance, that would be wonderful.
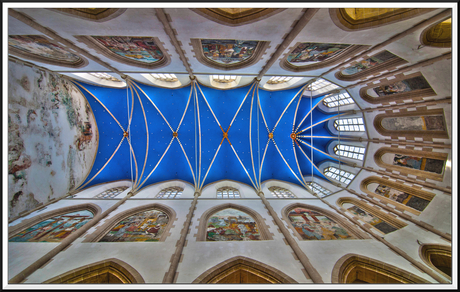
(228, 193)
(339, 175)
(338, 99)
(317, 188)
(349, 125)
(281, 193)
(350, 151)
(105, 76)
(278, 79)
(111, 193)
(170, 193)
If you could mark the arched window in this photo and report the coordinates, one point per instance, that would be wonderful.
(320, 86)
(349, 125)
(104, 76)
(418, 123)
(370, 65)
(406, 87)
(110, 271)
(231, 224)
(438, 35)
(438, 257)
(350, 151)
(55, 228)
(336, 99)
(424, 164)
(321, 191)
(224, 78)
(111, 193)
(165, 77)
(170, 193)
(143, 226)
(279, 79)
(369, 215)
(351, 19)
(339, 174)
(402, 196)
(281, 193)
(359, 269)
(228, 193)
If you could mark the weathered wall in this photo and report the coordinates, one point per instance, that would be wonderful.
(52, 137)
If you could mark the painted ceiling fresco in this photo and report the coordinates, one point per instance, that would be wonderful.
(231, 224)
(41, 46)
(369, 63)
(228, 51)
(217, 134)
(314, 52)
(141, 49)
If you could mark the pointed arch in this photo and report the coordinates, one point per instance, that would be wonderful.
(423, 164)
(112, 222)
(439, 257)
(435, 128)
(405, 198)
(255, 270)
(27, 223)
(372, 217)
(341, 222)
(259, 220)
(239, 17)
(438, 35)
(109, 271)
(92, 14)
(354, 268)
(372, 17)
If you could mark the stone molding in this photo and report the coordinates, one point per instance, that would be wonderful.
(108, 14)
(263, 228)
(260, 49)
(426, 250)
(427, 41)
(346, 264)
(123, 271)
(214, 274)
(341, 221)
(242, 18)
(14, 230)
(112, 222)
(99, 48)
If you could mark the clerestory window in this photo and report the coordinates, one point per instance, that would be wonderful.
(349, 151)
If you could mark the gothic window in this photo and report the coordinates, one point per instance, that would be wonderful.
(144, 226)
(349, 151)
(349, 125)
(319, 189)
(111, 193)
(54, 229)
(338, 99)
(223, 78)
(339, 175)
(281, 193)
(170, 193)
(231, 224)
(313, 225)
(438, 35)
(165, 77)
(104, 76)
(279, 79)
(228, 193)
(321, 86)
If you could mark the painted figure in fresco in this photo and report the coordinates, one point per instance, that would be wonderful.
(228, 51)
(406, 85)
(315, 52)
(141, 49)
(372, 220)
(435, 123)
(231, 224)
(408, 161)
(369, 63)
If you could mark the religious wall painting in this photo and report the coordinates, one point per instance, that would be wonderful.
(41, 46)
(419, 163)
(369, 63)
(228, 51)
(314, 52)
(312, 225)
(141, 227)
(401, 197)
(415, 83)
(141, 49)
(415, 123)
(372, 220)
(231, 224)
(54, 229)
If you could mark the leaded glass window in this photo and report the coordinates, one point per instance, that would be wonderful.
(321, 86)
(339, 175)
(319, 189)
(278, 79)
(170, 193)
(281, 193)
(228, 193)
(349, 125)
(349, 151)
(165, 77)
(104, 76)
(334, 100)
(111, 193)
(223, 78)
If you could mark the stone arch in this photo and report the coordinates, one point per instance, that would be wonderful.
(439, 131)
(354, 268)
(92, 14)
(390, 222)
(439, 257)
(418, 93)
(423, 155)
(343, 20)
(109, 271)
(14, 230)
(239, 17)
(260, 221)
(415, 192)
(352, 230)
(438, 35)
(373, 65)
(230, 268)
(112, 222)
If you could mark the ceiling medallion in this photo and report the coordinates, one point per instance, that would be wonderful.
(175, 134)
(125, 134)
(270, 135)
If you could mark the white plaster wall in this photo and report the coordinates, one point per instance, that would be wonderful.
(151, 191)
(210, 191)
(93, 191)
